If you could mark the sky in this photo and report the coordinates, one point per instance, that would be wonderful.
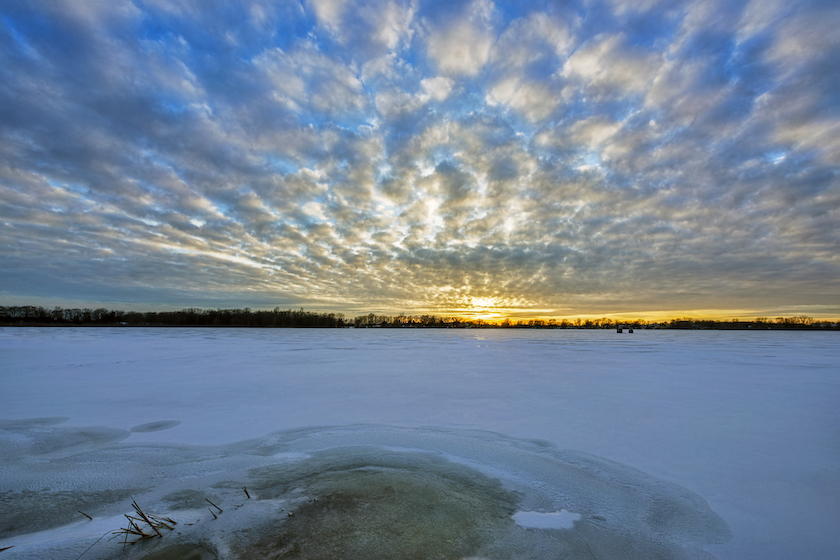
(492, 159)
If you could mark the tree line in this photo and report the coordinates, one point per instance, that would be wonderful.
(190, 317)
(194, 317)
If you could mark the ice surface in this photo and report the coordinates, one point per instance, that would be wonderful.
(356, 492)
(546, 520)
(695, 428)
(155, 426)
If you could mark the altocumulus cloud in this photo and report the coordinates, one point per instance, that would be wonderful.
(539, 158)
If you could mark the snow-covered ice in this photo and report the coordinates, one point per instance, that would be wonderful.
(681, 444)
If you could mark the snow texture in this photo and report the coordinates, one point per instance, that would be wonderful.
(666, 444)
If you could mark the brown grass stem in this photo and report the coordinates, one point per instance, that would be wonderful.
(214, 505)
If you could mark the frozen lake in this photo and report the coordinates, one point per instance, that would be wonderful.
(736, 433)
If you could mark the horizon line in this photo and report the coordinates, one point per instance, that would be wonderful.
(474, 316)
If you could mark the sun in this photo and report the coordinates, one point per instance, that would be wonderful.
(484, 308)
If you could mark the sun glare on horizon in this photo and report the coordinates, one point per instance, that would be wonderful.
(484, 308)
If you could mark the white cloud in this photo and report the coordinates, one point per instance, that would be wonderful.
(621, 7)
(437, 88)
(315, 210)
(531, 46)
(802, 38)
(502, 93)
(795, 122)
(394, 101)
(393, 22)
(683, 91)
(594, 131)
(306, 78)
(462, 46)
(534, 100)
(759, 15)
(95, 13)
(329, 12)
(367, 25)
(607, 65)
(532, 39)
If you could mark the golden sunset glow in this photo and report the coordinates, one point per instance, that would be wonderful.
(484, 308)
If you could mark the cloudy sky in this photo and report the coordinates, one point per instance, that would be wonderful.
(475, 158)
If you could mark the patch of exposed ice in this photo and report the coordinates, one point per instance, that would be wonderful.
(552, 520)
(155, 426)
(376, 489)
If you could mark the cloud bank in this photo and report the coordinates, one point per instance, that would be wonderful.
(420, 156)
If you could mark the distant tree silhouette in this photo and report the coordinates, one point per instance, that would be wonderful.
(279, 318)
